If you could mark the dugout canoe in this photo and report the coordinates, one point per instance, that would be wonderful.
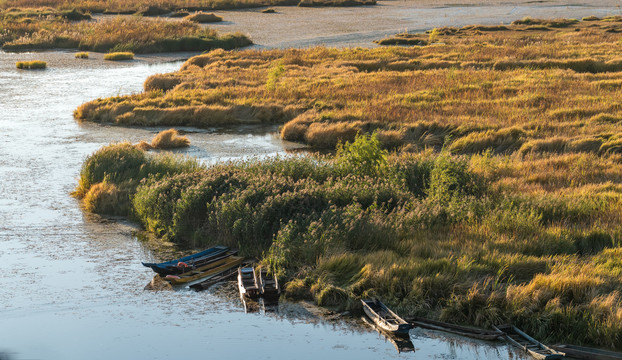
(191, 261)
(467, 331)
(384, 318)
(533, 347)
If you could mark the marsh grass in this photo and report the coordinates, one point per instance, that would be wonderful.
(501, 202)
(31, 65)
(149, 8)
(82, 55)
(135, 34)
(118, 56)
(169, 139)
(202, 18)
(503, 88)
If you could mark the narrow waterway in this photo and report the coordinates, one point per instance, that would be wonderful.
(72, 285)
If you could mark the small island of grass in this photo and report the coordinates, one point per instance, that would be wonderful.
(31, 65)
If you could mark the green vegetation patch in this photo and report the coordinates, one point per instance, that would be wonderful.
(434, 234)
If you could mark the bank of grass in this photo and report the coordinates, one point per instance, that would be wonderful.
(119, 56)
(153, 8)
(473, 239)
(119, 34)
(506, 88)
(31, 65)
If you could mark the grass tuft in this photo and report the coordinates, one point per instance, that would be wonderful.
(31, 65)
(169, 139)
(119, 56)
(202, 18)
(82, 55)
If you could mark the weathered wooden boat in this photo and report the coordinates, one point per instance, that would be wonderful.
(247, 282)
(384, 318)
(582, 352)
(467, 331)
(228, 274)
(532, 346)
(191, 261)
(203, 272)
(401, 343)
(268, 284)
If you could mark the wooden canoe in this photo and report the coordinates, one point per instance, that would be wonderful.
(269, 285)
(194, 260)
(582, 352)
(228, 274)
(467, 331)
(384, 318)
(211, 269)
(532, 346)
(247, 282)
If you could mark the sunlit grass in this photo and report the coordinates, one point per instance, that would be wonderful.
(82, 55)
(31, 65)
(120, 34)
(201, 17)
(118, 56)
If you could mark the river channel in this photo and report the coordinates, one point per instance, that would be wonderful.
(72, 284)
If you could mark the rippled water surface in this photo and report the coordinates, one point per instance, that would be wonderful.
(72, 285)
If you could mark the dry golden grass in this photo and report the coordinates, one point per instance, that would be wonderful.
(151, 8)
(169, 139)
(31, 65)
(201, 17)
(120, 34)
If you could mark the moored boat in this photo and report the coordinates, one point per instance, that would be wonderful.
(247, 282)
(582, 352)
(177, 266)
(228, 274)
(401, 343)
(467, 331)
(532, 346)
(268, 284)
(384, 318)
(203, 272)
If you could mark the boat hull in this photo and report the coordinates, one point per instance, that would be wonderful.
(397, 326)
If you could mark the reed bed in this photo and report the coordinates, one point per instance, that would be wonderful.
(82, 55)
(120, 34)
(151, 8)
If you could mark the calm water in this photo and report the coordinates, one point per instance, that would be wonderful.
(73, 284)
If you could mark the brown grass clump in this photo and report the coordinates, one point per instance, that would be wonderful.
(268, 11)
(202, 18)
(103, 198)
(169, 139)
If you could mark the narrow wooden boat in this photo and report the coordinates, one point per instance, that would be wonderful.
(401, 343)
(268, 285)
(228, 274)
(582, 352)
(384, 318)
(532, 346)
(194, 260)
(247, 282)
(467, 331)
(203, 272)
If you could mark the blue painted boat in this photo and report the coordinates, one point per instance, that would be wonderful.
(189, 262)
